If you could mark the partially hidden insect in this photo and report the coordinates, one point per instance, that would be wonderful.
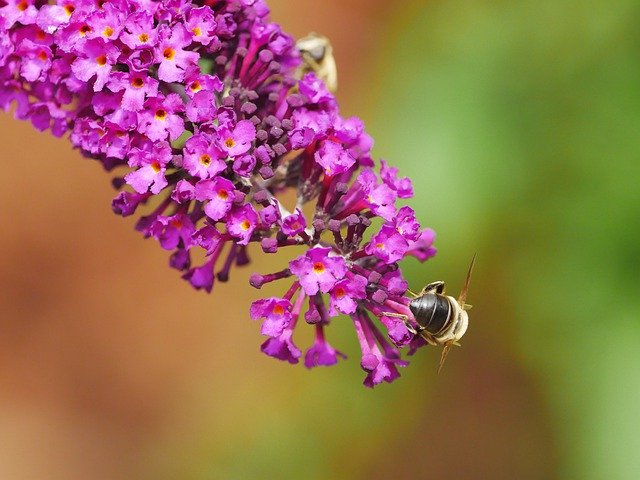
(317, 57)
(441, 319)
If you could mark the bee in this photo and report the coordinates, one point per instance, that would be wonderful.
(441, 319)
(317, 56)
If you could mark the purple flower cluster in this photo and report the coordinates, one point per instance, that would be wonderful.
(203, 108)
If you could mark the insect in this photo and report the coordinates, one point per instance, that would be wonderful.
(317, 56)
(442, 320)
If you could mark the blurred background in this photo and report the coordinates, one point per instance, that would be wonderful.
(518, 122)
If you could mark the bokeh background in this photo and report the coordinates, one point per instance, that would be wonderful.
(519, 123)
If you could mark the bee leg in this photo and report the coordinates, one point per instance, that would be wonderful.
(394, 315)
(438, 287)
(428, 337)
(405, 319)
(411, 328)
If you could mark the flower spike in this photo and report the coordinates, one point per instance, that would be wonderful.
(208, 115)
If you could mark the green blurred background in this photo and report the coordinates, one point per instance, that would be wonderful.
(518, 122)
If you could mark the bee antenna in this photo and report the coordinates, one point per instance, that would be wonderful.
(465, 289)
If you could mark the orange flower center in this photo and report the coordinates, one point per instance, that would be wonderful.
(195, 86)
(161, 114)
(107, 32)
(223, 194)
(205, 160)
(155, 166)
(230, 143)
(42, 55)
(176, 223)
(69, 9)
(197, 31)
(245, 225)
(318, 267)
(22, 6)
(143, 37)
(340, 292)
(137, 82)
(101, 60)
(41, 35)
(169, 53)
(84, 30)
(278, 310)
(380, 246)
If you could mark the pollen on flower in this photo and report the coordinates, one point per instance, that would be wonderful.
(155, 166)
(205, 159)
(195, 86)
(380, 246)
(318, 267)
(168, 53)
(84, 29)
(223, 194)
(22, 6)
(160, 114)
(69, 9)
(42, 55)
(101, 60)
(229, 142)
(278, 309)
(137, 82)
(143, 37)
(41, 35)
(339, 292)
(107, 32)
(245, 225)
(197, 31)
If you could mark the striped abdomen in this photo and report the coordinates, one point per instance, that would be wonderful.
(433, 312)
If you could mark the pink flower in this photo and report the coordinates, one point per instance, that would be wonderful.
(237, 141)
(97, 59)
(321, 353)
(346, 293)
(318, 271)
(294, 224)
(334, 158)
(139, 31)
(152, 165)
(276, 313)
(219, 194)
(201, 24)
(242, 222)
(160, 117)
(174, 60)
(136, 85)
(202, 158)
(36, 60)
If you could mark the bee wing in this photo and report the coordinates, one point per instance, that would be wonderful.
(465, 289)
(443, 356)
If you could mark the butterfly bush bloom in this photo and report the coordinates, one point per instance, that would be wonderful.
(199, 109)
